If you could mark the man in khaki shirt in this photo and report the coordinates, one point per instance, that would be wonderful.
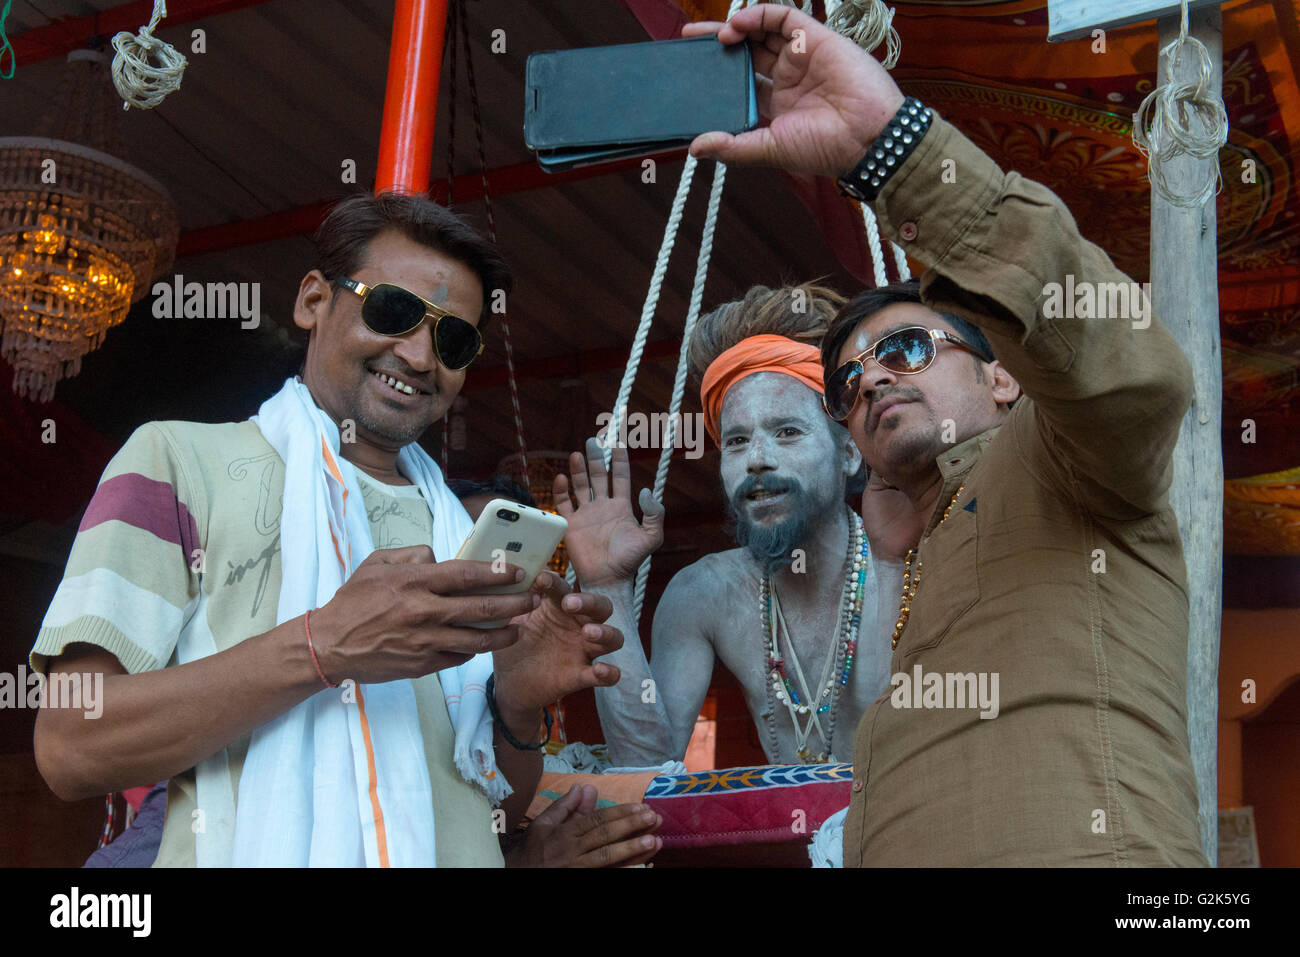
(1037, 713)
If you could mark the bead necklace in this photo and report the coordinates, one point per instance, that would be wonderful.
(824, 701)
(905, 604)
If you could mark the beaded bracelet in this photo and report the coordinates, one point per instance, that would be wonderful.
(505, 732)
(306, 624)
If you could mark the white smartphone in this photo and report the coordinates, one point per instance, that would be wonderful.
(509, 533)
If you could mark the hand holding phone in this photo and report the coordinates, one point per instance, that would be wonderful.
(598, 104)
(508, 533)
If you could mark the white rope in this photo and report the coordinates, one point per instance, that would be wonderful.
(1162, 126)
(679, 383)
(643, 330)
(873, 240)
(868, 23)
(648, 309)
(900, 259)
(140, 83)
(643, 333)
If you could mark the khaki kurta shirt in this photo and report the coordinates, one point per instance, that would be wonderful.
(1087, 760)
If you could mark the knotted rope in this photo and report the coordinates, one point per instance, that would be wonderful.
(138, 81)
(868, 23)
(1163, 124)
(878, 273)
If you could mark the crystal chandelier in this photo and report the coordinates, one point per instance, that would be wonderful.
(82, 233)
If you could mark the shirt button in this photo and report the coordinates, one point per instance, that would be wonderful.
(907, 231)
(857, 784)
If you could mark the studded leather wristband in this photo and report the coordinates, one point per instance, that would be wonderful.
(899, 137)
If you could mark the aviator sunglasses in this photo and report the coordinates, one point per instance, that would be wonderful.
(393, 311)
(904, 352)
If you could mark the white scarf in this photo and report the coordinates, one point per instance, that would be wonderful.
(341, 779)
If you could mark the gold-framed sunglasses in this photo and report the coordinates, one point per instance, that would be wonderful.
(904, 351)
(390, 310)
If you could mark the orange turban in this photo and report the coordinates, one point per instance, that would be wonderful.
(765, 353)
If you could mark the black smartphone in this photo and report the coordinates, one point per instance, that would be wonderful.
(598, 104)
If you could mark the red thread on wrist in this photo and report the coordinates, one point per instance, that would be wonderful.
(306, 624)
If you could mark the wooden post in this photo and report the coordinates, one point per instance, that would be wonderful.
(1185, 290)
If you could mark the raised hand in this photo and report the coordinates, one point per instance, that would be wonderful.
(827, 98)
(605, 542)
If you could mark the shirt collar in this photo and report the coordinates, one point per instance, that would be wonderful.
(954, 466)
(960, 459)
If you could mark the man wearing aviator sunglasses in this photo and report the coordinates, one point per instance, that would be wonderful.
(905, 351)
(1033, 537)
(390, 310)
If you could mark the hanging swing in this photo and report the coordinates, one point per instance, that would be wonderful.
(868, 23)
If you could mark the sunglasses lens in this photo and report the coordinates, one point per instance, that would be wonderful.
(910, 350)
(391, 310)
(842, 390)
(458, 342)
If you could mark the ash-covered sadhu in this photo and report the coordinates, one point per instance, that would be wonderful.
(791, 611)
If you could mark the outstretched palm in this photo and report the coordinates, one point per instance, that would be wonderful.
(605, 542)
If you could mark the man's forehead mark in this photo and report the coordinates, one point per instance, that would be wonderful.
(439, 295)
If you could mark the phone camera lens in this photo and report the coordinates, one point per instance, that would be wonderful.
(508, 515)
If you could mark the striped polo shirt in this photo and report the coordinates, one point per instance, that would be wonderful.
(186, 522)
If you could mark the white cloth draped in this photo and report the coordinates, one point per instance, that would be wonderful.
(341, 779)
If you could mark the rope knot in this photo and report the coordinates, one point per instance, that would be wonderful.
(1163, 124)
(139, 82)
(868, 23)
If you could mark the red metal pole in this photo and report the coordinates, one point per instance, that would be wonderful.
(411, 97)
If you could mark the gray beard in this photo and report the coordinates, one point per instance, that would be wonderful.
(771, 546)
